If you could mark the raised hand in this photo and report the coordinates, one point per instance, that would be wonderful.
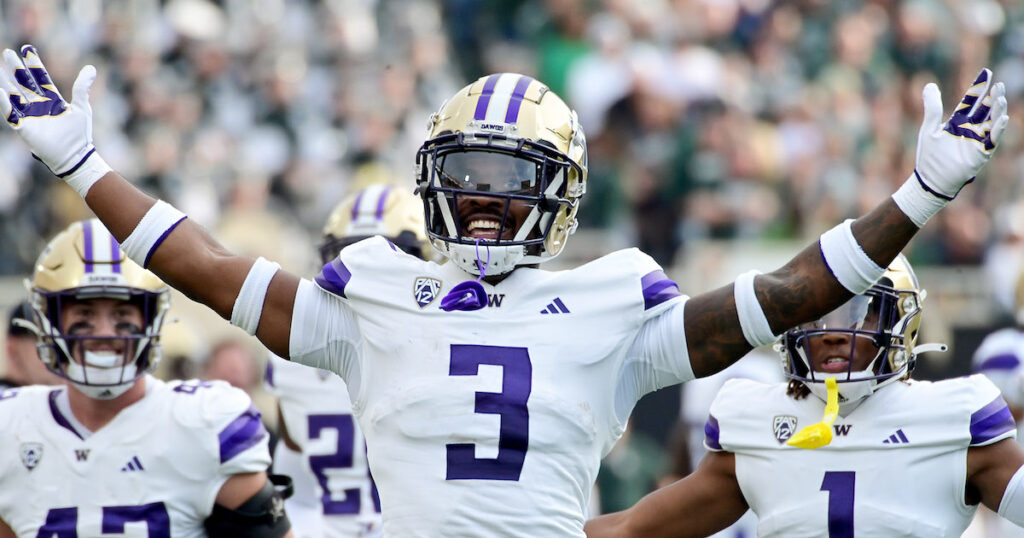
(58, 133)
(950, 154)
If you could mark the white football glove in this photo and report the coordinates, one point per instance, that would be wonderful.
(950, 154)
(58, 133)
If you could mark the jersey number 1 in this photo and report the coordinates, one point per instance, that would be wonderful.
(839, 485)
(509, 404)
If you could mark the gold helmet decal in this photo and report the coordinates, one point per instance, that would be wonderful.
(85, 262)
(516, 149)
(385, 210)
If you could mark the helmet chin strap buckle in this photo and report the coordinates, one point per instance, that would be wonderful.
(469, 295)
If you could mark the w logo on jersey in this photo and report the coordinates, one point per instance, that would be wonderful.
(31, 453)
(425, 289)
(783, 427)
(842, 429)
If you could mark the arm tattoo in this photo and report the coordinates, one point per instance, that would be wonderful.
(803, 290)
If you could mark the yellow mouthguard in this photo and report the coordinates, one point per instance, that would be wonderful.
(820, 434)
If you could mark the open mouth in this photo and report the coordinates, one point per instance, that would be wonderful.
(835, 365)
(486, 227)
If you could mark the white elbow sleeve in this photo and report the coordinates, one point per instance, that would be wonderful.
(151, 231)
(1012, 505)
(752, 319)
(847, 260)
(249, 303)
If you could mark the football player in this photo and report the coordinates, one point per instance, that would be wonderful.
(23, 365)
(489, 389)
(906, 458)
(115, 450)
(334, 494)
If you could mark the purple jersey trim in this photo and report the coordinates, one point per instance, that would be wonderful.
(380, 203)
(711, 432)
(243, 432)
(1003, 361)
(334, 277)
(658, 288)
(991, 421)
(269, 375)
(87, 236)
(159, 241)
(60, 418)
(485, 97)
(512, 113)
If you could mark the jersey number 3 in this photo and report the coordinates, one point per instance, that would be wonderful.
(509, 404)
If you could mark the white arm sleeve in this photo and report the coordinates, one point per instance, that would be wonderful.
(325, 333)
(657, 358)
(1012, 505)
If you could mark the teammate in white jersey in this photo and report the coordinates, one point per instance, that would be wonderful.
(334, 493)
(115, 451)
(488, 390)
(894, 457)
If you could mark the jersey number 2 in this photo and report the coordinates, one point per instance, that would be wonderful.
(509, 405)
(839, 485)
(342, 458)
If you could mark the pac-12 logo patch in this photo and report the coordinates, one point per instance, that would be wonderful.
(783, 426)
(425, 289)
(31, 453)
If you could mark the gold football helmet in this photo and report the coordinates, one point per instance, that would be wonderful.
(85, 262)
(889, 314)
(503, 169)
(383, 210)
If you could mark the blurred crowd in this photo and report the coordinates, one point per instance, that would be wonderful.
(706, 118)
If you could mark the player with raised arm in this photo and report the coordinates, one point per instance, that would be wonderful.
(115, 450)
(894, 456)
(334, 493)
(487, 411)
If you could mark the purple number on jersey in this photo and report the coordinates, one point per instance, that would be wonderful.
(509, 404)
(63, 522)
(60, 523)
(192, 388)
(839, 485)
(153, 514)
(340, 459)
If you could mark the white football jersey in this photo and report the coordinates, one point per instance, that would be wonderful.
(490, 422)
(153, 471)
(897, 464)
(317, 412)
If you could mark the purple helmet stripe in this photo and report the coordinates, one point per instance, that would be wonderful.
(59, 417)
(87, 235)
(355, 206)
(1003, 361)
(485, 97)
(658, 288)
(512, 114)
(115, 255)
(711, 432)
(243, 432)
(334, 277)
(380, 202)
(991, 421)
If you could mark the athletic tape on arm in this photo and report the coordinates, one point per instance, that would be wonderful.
(154, 227)
(847, 260)
(755, 325)
(249, 303)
